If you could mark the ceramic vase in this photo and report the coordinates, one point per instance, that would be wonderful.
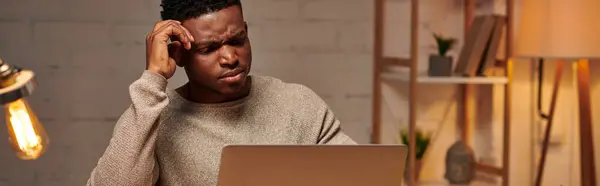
(440, 65)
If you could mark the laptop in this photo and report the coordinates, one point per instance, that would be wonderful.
(314, 165)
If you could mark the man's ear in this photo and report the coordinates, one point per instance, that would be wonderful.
(177, 52)
(184, 58)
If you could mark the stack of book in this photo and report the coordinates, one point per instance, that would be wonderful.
(479, 53)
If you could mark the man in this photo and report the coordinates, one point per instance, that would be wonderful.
(174, 137)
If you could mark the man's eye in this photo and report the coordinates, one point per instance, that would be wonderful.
(237, 42)
(203, 51)
(207, 50)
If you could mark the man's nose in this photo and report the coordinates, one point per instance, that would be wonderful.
(228, 56)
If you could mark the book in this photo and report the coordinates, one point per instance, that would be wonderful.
(474, 47)
(491, 53)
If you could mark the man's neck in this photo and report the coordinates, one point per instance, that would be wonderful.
(199, 94)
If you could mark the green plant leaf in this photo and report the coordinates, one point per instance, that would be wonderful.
(444, 44)
(422, 141)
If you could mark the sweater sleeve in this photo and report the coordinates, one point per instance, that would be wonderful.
(130, 158)
(331, 130)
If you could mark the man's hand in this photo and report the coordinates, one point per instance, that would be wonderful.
(162, 57)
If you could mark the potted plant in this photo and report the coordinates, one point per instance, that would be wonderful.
(422, 140)
(440, 64)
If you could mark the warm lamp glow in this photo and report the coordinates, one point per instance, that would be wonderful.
(26, 135)
(564, 30)
(559, 29)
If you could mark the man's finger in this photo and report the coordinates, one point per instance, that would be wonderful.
(187, 32)
(178, 24)
(184, 36)
(172, 29)
(159, 25)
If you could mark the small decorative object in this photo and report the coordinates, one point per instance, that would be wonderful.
(422, 141)
(440, 64)
(460, 164)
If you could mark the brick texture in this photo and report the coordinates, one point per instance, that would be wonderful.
(86, 52)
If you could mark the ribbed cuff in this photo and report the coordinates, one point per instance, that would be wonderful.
(154, 79)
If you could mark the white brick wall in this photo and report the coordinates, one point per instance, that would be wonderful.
(85, 47)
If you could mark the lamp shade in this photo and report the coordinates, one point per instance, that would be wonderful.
(559, 29)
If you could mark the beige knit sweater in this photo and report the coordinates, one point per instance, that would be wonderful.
(164, 139)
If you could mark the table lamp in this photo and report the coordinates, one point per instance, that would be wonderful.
(564, 30)
(26, 134)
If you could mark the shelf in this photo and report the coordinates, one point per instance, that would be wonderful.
(444, 80)
(387, 68)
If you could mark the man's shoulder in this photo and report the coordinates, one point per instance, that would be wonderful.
(278, 88)
(300, 101)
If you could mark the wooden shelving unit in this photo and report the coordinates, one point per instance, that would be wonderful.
(444, 80)
(466, 84)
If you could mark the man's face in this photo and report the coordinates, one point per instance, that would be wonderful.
(221, 56)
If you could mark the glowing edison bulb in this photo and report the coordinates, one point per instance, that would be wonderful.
(26, 135)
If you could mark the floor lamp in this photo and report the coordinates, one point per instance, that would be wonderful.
(565, 31)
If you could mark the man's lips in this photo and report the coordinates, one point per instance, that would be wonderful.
(232, 73)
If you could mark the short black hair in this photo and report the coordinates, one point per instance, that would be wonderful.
(182, 10)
